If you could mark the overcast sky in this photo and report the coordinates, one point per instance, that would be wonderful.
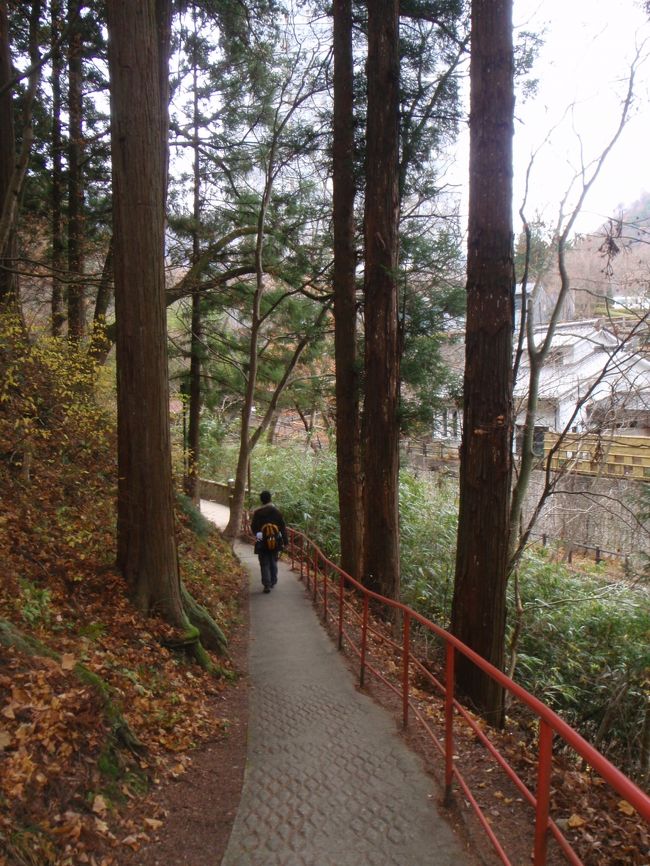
(585, 61)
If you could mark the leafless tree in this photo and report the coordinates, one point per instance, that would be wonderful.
(538, 348)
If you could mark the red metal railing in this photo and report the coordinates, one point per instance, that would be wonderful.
(334, 589)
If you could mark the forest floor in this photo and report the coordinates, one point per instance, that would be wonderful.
(70, 791)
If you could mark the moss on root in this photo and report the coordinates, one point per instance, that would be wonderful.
(212, 637)
(190, 643)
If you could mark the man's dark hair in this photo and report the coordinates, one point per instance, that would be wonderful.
(265, 496)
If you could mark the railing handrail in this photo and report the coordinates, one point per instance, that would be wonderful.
(552, 723)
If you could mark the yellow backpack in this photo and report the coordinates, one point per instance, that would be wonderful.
(271, 538)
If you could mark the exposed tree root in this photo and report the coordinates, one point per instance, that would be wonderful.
(211, 635)
(190, 643)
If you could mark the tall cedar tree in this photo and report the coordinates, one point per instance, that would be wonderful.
(382, 349)
(13, 162)
(8, 277)
(347, 384)
(192, 487)
(138, 64)
(56, 190)
(479, 603)
(76, 287)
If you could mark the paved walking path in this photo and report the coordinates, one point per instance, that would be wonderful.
(329, 781)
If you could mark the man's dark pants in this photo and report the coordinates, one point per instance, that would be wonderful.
(269, 568)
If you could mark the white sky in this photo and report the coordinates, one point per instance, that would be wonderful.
(585, 61)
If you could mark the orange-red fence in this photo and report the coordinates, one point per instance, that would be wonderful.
(333, 588)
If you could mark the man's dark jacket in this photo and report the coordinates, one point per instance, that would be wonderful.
(269, 514)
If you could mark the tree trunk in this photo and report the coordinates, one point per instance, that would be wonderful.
(479, 604)
(146, 532)
(382, 350)
(348, 442)
(272, 429)
(56, 192)
(101, 344)
(196, 339)
(9, 285)
(193, 429)
(13, 166)
(245, 446)
(76, 287)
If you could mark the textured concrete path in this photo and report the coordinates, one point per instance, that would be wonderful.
(328, 781)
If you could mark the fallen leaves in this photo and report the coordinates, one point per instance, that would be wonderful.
(60, 772)
(99, 805)
(154, 823)
(575, 821)
(66, 788)
(68, 662)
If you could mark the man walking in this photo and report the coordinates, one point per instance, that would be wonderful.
(270, 531)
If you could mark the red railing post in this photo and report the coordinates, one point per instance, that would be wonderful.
(450, 655)
(364, 638)
(325, 579)
(543, 792)
(315, 564)
(405, 668)
(308, 564)
(341, 590)
(302, 555)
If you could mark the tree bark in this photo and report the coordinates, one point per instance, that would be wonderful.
(9, 285)
(76, 287)
(382, 349)
(56, 192)
(146, 533)
(196, 338)
(348, 433)
(479, 603)
(100, 344)
(13, 165)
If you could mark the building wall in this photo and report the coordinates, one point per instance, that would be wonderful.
(617, 455)
(215, 491)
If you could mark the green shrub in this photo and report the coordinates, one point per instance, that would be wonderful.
(585, 651)
(428, 525)
(34, 603)
(303, 484)
(200, 525)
